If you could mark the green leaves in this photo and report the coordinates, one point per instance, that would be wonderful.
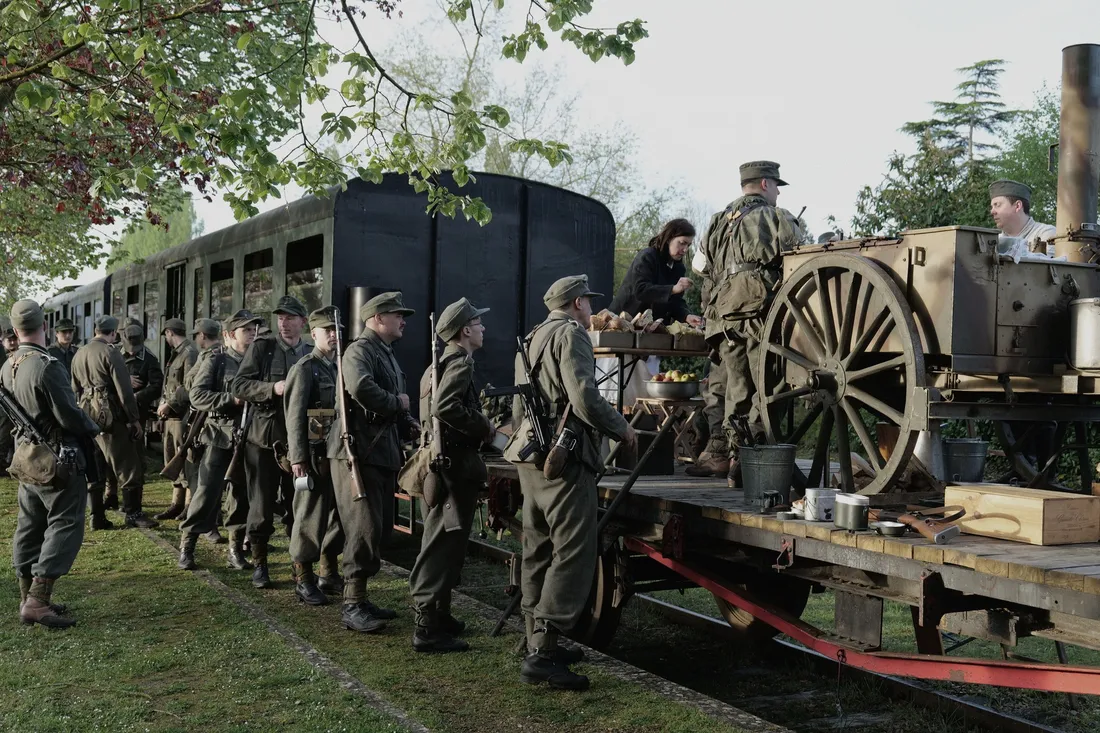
(36, 95)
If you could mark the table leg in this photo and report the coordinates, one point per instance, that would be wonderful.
(620, 386)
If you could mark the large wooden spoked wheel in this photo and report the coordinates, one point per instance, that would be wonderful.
(778, 592)
(598, 622)
(840, 352)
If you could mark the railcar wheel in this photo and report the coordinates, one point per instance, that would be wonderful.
(780, 592)
(841, 353)
(597, 625)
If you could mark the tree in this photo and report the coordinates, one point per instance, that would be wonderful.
(1026, 153)
(106, 104)
(176, 226)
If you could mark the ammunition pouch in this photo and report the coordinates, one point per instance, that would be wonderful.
(556, 461)
(319, 423)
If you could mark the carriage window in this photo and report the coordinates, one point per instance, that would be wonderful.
(98, 308)
(200, 296)
(116, 303)
(304, 260)
(259, 272)
(133, 303)
(152, 310)
(221, 290)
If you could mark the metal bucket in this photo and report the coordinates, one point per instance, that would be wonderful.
(1084, 333)
(767, 468)
(964, 458)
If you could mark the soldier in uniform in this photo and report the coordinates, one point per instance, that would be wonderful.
(465, 428)
(310, 404)
(63, 349)
(379, 420)
(173, 410)
(10, 340)
(1010, 207)
(7, 440)
(211, 393)
(146, 377)
(50, 526)
(261, 380)
(207, 335)
(103, 391)
(714, 458)
(559, 515)
(743, 249)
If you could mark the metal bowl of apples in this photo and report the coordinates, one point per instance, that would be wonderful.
(674, 385)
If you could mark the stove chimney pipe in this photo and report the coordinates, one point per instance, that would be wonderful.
(1079, 153)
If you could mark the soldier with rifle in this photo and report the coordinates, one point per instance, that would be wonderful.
(50, 466)
(375, 416)
(103, 391)
(223, 435)
(261, 380)
(173, 410)
(458, 430)
(63, 349)
(559, 510)
(310, 405)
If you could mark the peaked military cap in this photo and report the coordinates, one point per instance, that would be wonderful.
(131, 321)
(758, 169)
(323, 317)
(291, 306)
(1005, 187)
(455, 316)
(240, 319)
(390, 302)
(567, 289)
(6, 329)
(106, 324)
(174, 324)
(27, 315)
(64, 324)
(134, 331)
(207, 327)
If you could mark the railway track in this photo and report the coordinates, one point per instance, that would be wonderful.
(968, 713)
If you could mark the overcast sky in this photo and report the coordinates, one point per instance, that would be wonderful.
(822, 88)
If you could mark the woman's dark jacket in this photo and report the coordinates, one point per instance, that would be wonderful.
(648, 284)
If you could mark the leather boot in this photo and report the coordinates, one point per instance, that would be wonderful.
(187, 552)
(175, 509)
(260, 577)
(37, 608)
(355, 616)
(98, 515)
(328, 575)
(564, 653)
(545, 665)
(305, 585)
(429, 635)
(110, 497)
(385, 614)
(449, 623)
(214, 537)
(236, 558)
(733, 477)
(709, 465)
(24, 588)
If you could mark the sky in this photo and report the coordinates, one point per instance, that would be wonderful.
(821, 88)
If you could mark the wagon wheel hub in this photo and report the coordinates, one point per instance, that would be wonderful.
(829, 382)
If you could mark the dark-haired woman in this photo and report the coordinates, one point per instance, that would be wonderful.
(657, 278)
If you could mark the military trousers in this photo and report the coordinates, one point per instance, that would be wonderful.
(317, 529)
(206, 494)
(714, 401)
(234, 493)
(49, 529)
(436, 572)
(124, 460)
(559, 544)
(740, 353)
(365, 522)
(265, 480)
(175, 433)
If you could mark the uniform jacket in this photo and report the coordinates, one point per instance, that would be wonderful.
(146, 367)
(749, 231)
(373, 380)
(267, 361)
(99, 365)
(458, 408)
(43, 390)
(64, 354)
(183, 358)
(311, 385)
(211, 384)
(648, 285)
(565, 372)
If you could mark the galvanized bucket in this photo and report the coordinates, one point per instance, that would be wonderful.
(964, 458)
(767, 468)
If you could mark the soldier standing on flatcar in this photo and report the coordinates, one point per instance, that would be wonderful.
(261, 380)
(211, 393)
(63, 349)
(103, 391)
(465, 428)
(559, 515)
(173, 410)
(379, 419)
(310, 404)
(50, 526)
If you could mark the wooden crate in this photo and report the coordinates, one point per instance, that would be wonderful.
(1026, 515)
